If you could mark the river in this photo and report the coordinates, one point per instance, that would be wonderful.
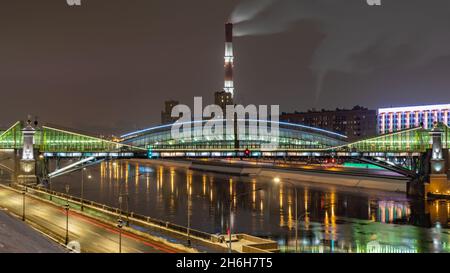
(331, 218)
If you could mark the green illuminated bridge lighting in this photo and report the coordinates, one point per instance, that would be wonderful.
(53, 140)
(293, 140)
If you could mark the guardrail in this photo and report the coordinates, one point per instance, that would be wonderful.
(130, 215)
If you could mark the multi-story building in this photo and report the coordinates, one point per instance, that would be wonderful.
(223, 99)
(166, 114)
(355, 123)
(400, 118)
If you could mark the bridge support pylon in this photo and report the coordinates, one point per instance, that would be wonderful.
(439, 181)
(26, 173)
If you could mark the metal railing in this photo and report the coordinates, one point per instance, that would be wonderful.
(132, 217)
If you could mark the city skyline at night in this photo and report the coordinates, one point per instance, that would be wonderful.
(225, 135)
(99, 52)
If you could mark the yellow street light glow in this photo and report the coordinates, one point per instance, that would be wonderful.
(277, 180)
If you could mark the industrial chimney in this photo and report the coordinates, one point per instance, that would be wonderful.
(229, 59)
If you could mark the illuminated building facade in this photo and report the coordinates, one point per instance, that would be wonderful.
(401, 118)
(223, 99)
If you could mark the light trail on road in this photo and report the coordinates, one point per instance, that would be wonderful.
(93, 235)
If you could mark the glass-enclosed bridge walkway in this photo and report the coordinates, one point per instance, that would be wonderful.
(292, 140)
(52, 141)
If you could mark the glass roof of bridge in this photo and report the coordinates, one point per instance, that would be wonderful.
(49, 139)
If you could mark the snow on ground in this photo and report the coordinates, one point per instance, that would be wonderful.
(18, 237)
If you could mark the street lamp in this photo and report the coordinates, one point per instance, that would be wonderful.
(50, 187)
(189, 222)
(189, 201)
(120, 224)
(67, 213)
(278, 181)
(82, 187)
(24, 192)
(121, 194)
(231, 206)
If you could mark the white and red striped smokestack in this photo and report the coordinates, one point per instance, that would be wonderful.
(229, 59)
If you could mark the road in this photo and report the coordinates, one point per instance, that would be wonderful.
(92, 235)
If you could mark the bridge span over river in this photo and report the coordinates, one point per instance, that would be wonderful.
(416, 153)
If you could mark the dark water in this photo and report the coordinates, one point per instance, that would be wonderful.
(332, 218)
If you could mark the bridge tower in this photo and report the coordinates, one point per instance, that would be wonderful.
(439, 183)
(27, 162)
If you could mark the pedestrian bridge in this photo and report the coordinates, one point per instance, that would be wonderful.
(291, 137)
(404, 149)
(293, 140)
(51, 141)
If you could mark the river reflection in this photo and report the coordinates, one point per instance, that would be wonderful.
(331, 219)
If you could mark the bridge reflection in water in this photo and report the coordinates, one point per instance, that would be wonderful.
(331, 219)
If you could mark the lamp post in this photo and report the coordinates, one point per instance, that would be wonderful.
(120, 221)
(50, 187)
(231, 205)
(82, 187)
(189, 221)
(120, 224)
(24, 192)
(127, 198)
(278, 181)
(121, 196)
(67, 213)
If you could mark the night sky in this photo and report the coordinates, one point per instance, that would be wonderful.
(108, 66)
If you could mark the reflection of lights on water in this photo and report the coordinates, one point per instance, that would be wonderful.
(389, 211)
(204, 184)
(290, 217)
(438, 225)
(254, 191)
(436, 242)
(172, 179)
(281, 198)
(146, 169)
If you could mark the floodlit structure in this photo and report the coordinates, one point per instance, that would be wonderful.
(292, 138)
(50, 140)
(229, 60)
(401, 118)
